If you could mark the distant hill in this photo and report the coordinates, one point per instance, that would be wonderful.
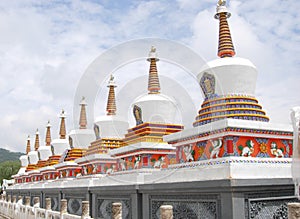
(6, 155)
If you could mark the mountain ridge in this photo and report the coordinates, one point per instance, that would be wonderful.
(6, 155)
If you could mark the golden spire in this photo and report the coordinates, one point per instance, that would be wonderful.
(225, 48)
(37, 141)
(153, 80)
(111, 101)
(28, 145)
(48, 135)
(82, 119)
(62, 130)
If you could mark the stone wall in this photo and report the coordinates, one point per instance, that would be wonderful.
(236, 199)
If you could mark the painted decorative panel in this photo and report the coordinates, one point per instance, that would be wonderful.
(271, 207)
(234, 146)
(191, 207)
(146, 161)
(74, 206)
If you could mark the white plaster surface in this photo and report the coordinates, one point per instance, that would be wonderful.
(65, 164)
(24, 160)
(233, 75)
(142, 145)
(112, 126)
(94, 157)
(33, 157)
(224, 123)
(157, 108)
(45, 152)
(60, 145)
(82, 138)
(216, 169)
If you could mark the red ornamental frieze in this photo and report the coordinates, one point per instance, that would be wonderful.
(146, 161)
(251, 147)
(211, 149)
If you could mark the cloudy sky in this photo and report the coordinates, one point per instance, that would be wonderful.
(46, 46)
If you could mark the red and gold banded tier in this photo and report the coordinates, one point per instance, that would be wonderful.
(53, 160)
(41, 163)
(150, 132)
(31, 167)
(74, 153)
(101, 146)
(235, 107)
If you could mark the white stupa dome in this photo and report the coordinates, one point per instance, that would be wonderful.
(111, 126)
(81, 138)
(60, 146)
(33, 157)
(45, 152)
(21, 171)
(24, 160)
(157, 108)
(233, 75)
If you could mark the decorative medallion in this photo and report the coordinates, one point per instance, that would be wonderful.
(137, 112)
(208, 84)
(97, 131)
(263, 148)
(71, 142)
(52, 149)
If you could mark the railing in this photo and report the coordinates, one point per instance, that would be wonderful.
(12, 209)
(9, 208)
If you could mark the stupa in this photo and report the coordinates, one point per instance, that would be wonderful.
(230, 122)
(155, 115)
(109, 132)
(24, 158)
(33, 156)
(79, 141)
(45, 150)
(59, 146)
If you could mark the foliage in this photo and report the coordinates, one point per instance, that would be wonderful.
(9, 163)
(8, 168)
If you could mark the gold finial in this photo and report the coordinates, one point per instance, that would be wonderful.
(28, 145)
(62, 130)
(111, 107)
(225, 47)
(82, 118)
(153, 49)
(48, 134)
(221, 2)
(37, 140)
(153, 80)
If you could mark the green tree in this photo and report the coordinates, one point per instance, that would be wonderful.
(8, 168)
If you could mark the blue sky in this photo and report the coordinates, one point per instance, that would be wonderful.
(46, 46)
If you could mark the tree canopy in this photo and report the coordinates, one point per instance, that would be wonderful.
(8, 168)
